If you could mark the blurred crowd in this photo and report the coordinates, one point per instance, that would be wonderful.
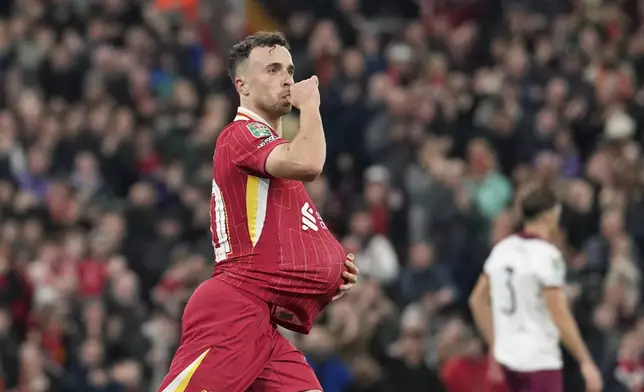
(438, 114)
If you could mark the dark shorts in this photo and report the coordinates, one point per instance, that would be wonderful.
(540, 381)
(229, 344)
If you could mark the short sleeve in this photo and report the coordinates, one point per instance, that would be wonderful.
(251, 144)
(553, 272)
(487, 266)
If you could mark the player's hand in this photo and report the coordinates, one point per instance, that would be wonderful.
(306, 93)
(350, 276)
(592, 377)
(494, 371)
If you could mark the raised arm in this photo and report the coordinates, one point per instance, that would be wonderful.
(304, 157)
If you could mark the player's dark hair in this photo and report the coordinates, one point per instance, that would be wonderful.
(536, 202)
(241, 50)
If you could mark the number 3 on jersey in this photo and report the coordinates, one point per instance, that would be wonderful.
(219, 224)
(512, 306)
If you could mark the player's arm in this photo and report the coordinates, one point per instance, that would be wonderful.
(553, 279)
(259, 151)
(481, 309)
(303, 158)
(559, 310)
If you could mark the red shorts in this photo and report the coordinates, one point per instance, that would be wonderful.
(229, 344)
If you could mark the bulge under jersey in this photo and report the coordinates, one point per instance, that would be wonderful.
(268, 237)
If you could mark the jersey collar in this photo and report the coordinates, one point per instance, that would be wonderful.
(528, 236)
(244, 114)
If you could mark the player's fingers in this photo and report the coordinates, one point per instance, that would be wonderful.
(315, 80)
(349, 277)
(351, 256)
(352, 267)
(346, 287)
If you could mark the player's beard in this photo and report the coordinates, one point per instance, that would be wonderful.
(281, 108)
(274, 107)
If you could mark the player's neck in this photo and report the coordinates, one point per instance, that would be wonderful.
(537, 230)
(273, 122)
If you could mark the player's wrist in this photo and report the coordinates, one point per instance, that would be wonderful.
(310, 107)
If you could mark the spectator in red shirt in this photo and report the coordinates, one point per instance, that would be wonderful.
(468, 368)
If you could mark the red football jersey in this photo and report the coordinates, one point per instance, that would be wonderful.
(268, 237)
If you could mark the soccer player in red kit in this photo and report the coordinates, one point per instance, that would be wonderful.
(276, 261)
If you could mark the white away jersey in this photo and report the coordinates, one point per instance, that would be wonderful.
(525, 337)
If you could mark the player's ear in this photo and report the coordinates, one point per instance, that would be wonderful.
(241, 86)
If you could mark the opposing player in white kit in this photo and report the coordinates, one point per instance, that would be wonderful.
(520, 306)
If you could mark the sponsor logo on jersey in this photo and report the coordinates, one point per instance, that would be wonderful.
(259, 130)
(309, 222)
(267, 140)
